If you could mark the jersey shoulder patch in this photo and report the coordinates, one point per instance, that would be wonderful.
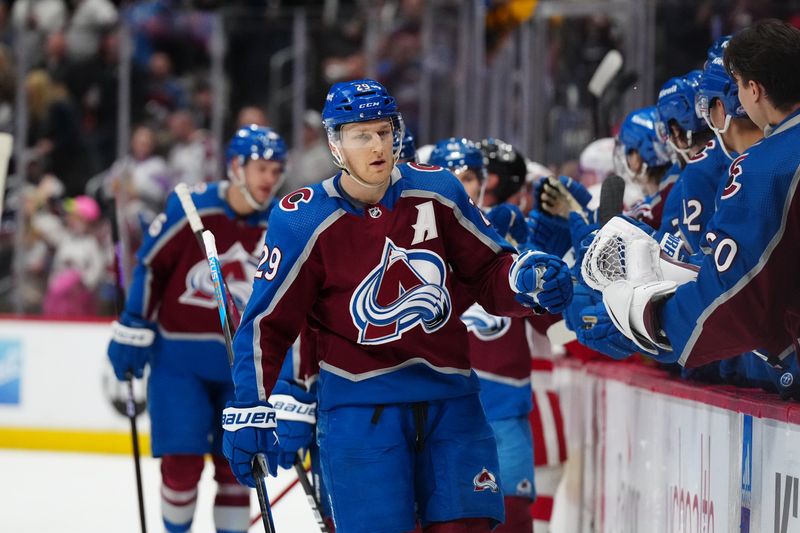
(301, 212)
(703, 153)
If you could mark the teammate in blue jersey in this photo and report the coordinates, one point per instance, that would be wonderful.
(464, 159)
(170, 322)
(500, 355)
(746, 295)
(642, 156)
(367, 260)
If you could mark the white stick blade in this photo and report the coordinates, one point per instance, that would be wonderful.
(606, 70)
(211, 244)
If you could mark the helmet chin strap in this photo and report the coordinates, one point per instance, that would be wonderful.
(237, 178)
(718, 132)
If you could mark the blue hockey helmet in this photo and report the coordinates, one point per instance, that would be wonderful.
(408, 148)
(455, 154)
(255, 142)
(676, 102)
(251, 143)
(638, 132)
(717, 83)
(717, 48)
(357, 101)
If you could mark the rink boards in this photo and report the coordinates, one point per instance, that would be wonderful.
(55, 385)
(659, 455)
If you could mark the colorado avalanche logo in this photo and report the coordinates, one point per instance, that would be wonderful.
(404, 290)
(238, 267)
(485, 480)
(485, 326)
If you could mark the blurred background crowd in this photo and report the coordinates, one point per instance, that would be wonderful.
(114, 100)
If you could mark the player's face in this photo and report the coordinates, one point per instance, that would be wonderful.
(367, 149)
(634, 161)
(261, 177)
(678, 136)
(470, 181)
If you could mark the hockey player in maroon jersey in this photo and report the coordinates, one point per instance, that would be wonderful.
(171, 299)
(367, 259)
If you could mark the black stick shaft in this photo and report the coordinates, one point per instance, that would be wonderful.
(131, 403)
(311, 495)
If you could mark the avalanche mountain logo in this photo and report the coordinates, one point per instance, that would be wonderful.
(485, 480)
(238, 268)
(485, 326)
(407, 288)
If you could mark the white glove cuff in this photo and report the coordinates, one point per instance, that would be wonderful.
(631, 310)
(287, 407)
(520, 262)
(138, 337)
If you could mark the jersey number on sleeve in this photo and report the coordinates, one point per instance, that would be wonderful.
(268, 265)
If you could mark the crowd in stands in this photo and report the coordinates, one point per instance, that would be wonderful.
(69, 169)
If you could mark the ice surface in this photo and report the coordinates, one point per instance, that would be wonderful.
(44, 492)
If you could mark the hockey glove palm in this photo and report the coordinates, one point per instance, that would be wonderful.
(541, 279)
(249, 430)
(296, 412)
(596, 330)
(131, 345)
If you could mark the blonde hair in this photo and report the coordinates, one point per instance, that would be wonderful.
(41, 92)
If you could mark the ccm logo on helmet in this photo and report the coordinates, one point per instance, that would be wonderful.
(369, 104)
(291, 201)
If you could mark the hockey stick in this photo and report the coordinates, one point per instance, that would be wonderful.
(196, 224)
(6, 144)
(130, 402)
(259, 461)
(311, 495)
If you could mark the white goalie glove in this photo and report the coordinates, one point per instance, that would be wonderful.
(628, 266)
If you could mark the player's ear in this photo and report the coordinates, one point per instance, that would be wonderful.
(492, 181)
(757, 90)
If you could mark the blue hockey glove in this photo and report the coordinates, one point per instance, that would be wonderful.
(597, 331)
(131, 345)
(582, 297)
(578, 191)
(548, 233)
(509, 221)
(296, 412)
(541, 279)
(581, 235)
(249, 430)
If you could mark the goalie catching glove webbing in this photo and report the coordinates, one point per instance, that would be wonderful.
(634, 275)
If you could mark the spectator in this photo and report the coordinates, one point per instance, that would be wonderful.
(311, 161)
(164, 92)
(36, 20)
(78, 263)
(141, 182)
(251, 115)
(191, 158)
(54, 131)
(89, 21)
